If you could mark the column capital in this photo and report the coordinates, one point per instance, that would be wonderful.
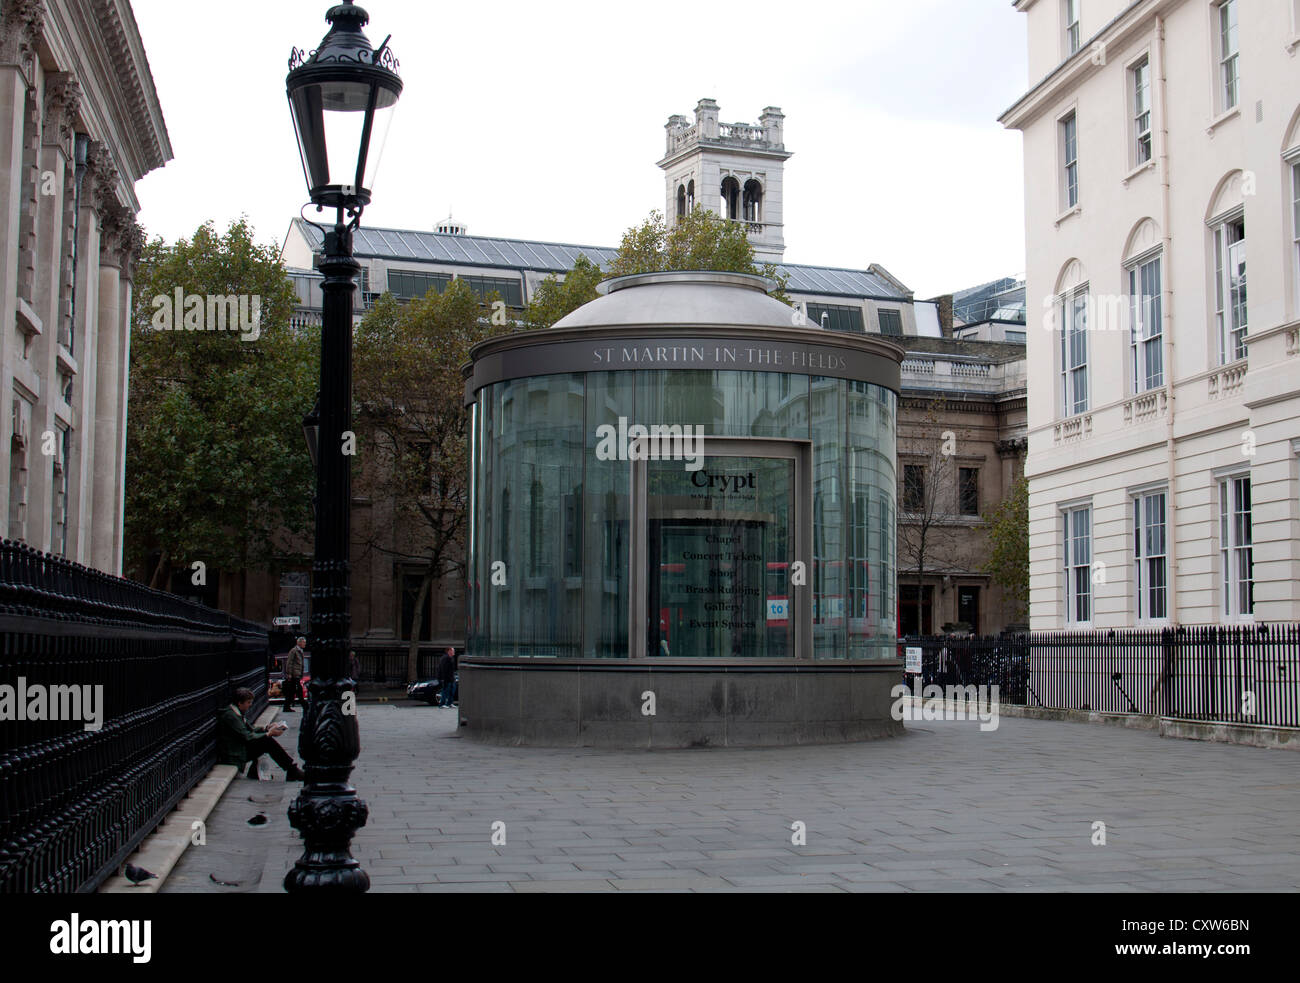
(22, 24)
(62, 102)
(121, 239)
(133, 239)
(103, 178)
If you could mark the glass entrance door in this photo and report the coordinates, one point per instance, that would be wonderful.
(718, 550)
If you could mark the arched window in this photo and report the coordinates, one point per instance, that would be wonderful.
(753, 201)
(1143, 275)
(1291, 201)
(1072, 298)
(1227, 222)
(690, 197)
(681, 201)
(730, 198)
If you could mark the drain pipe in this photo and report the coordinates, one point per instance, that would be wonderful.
(1167, 332)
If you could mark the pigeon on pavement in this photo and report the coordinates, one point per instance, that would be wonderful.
(136, 875)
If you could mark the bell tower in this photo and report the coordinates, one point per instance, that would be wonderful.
(732, 169)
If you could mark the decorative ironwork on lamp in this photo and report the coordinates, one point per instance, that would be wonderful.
(340, 95)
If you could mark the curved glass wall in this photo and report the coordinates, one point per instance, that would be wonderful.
(555, 521)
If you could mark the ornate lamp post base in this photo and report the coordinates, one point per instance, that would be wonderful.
(328, 814)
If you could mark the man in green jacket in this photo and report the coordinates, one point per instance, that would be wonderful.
(238, 743)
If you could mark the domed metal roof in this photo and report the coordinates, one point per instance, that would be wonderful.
(692, 320)
(699, 298)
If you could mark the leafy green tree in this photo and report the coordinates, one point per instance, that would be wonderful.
(1007, 526)
(698, 241)
(555, 298)
(412, 433)
(216, 467)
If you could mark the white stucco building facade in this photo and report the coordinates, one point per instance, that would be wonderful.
(1162, 147)
(80, 124)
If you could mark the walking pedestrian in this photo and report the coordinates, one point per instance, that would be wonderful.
(446, 676)
(293, 669)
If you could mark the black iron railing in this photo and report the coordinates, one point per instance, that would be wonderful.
(79, 790)
(387, 667)
(1242, 674)
(1001, 661)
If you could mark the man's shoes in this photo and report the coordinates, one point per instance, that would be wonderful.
(287, 710)
(295, 774)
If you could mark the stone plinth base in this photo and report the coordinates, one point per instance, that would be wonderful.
(741, 703)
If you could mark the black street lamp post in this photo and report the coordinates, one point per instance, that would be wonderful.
(339, 95)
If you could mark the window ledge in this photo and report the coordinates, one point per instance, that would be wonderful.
(1069, 213)
(66, 360)
(1227, 380)
(29, 322)
(1140, 169)
(1222, 118)
(1146, 407)
(1073, 428)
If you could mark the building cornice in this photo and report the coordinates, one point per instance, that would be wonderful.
(718, 147)
(955, 401)
(99, 43)
(151, 145)
(1087, 61)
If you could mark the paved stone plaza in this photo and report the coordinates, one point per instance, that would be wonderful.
(945, 808)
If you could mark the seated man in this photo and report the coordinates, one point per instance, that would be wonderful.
(238, 743)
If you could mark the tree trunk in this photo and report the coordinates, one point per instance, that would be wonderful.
(417, 619)
(164, 561)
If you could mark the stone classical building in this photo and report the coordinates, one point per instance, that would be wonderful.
(1162, 136)
(735, 170)
(961, 446)
(80, 124)
(732, 169)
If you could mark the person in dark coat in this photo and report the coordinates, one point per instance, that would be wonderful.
(446, 676)
(239, 743)
(291, 688)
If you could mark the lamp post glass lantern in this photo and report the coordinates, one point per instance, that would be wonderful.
(340, 96)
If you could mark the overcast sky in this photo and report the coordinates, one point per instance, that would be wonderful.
(544, 121)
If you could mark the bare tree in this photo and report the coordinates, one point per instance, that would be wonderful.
(412, 422)
(930, 526)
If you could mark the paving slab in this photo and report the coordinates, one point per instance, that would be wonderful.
(945, 808)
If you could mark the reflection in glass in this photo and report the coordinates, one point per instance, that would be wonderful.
(550, 522)
(720, 545)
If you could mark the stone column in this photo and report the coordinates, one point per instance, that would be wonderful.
(98, 196)
(22, 23)
(105, 508)
(54, 223)
(132, 246)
